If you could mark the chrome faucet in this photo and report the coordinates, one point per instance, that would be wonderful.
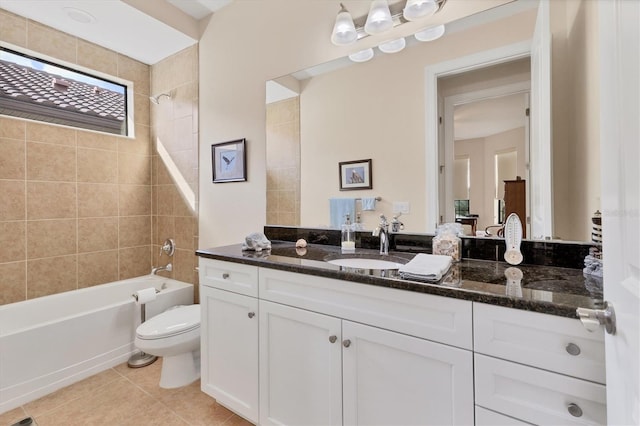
(382, 230)
(157, 269)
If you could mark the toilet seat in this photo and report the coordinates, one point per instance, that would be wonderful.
(170, 323)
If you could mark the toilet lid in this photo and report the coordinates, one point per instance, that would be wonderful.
(170, 323)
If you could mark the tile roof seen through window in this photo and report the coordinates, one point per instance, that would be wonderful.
(30, 93)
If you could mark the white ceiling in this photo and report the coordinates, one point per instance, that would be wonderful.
(489, 117)
(148, 31)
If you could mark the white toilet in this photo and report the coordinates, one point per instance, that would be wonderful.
(175, 336)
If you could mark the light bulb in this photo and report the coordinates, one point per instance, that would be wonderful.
(379, 18)
(416, 9)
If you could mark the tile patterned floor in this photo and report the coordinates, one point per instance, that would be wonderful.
(122, 396)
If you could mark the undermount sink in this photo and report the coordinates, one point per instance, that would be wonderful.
(366, 261)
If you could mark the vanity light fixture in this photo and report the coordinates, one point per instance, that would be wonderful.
(416, 9)
(430, 34)
(344, 30)
(362, 56)
(393, 46)
(379, 18)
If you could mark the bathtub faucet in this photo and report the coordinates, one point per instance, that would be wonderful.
(157, 269)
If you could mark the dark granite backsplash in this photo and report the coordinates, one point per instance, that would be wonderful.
(545, 253)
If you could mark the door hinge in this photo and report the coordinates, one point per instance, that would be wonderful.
(441, 169)
(440, 120)
(527, 112)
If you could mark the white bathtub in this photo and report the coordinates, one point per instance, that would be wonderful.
(53, 341)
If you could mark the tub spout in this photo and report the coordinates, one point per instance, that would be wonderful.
(157, 269)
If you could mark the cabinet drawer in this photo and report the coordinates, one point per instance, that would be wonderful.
(550, 342)
(537, 396)
(486, 417)
(242, 279)
(436, 318)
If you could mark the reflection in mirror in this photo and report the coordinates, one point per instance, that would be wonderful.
(377, 110)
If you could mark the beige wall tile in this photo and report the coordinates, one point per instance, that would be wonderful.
(166, 228)
(97, 166)
(51, 200)
(184, 262)
(54, 43)
(12, 159)
(166, 196)
(97, 200)
(140, 145)
(134, 262)
(51, 275)
(134, 71)
(141, 109)
(13, 241)
(39, 132)
(51, 162)
(180, 205)
(97, 58)
(97, 268)
(13, 283)
(12, 128)
(13, 28)
(46, 238)
(133, 168)
(184, 232)
(14, 199)
(163, 176)
(96, 140)
(134, 231)
(134, 200)
(97, 234)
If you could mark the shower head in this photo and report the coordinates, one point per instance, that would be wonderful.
(156, 99)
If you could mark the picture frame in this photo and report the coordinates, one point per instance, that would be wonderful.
(355, 175)
(229, 161)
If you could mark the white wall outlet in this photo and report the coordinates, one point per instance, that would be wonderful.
(401, 207)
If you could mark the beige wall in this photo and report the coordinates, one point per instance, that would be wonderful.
(283, 162)
(175, 125)
(76, 205)
(232, 99)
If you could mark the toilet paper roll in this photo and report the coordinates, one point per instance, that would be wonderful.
(145, 295)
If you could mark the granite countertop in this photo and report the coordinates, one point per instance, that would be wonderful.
(546, 289)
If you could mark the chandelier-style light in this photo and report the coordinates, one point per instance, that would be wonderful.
(379, 18)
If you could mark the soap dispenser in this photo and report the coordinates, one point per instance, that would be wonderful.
(348, 244)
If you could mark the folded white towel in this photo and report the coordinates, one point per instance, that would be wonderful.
(256, 241)
(426, 267)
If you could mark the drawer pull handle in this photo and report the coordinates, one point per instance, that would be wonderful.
(346, 343)
(573, 349)
(251, 314)
(575, 410)
(225, 276)
(333, 339)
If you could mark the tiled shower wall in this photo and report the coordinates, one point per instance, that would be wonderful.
(175, 125)
(76, 206)
(283, 162)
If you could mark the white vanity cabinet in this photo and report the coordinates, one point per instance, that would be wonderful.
(229, 335)
(537, 368)
(325, 364)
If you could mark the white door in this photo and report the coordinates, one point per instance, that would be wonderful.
(394, 379)
(540, 162)
(620, 162)
(229, 336)
(300, 367)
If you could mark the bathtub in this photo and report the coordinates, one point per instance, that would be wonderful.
(50, 342)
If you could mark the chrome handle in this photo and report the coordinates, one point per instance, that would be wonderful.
(251, 314)
(346, 343)
(225, 276)
(593, 318)
(574, 410)
(333, 339)
(573, 349)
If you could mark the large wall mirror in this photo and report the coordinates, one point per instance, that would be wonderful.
(377, 110)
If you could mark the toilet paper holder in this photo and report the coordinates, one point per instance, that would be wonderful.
(141, 359)
(593, 318)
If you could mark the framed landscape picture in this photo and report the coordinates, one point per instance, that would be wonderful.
(355, 175)
(229, 161)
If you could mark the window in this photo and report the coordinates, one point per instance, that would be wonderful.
(461, 207)
(40, 90)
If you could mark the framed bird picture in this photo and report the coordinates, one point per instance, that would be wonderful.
(229, 161)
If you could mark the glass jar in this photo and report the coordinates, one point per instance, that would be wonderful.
(447, 241)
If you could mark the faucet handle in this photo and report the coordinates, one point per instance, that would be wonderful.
(383, 219)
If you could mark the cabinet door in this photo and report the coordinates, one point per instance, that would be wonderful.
(395, 379)
(229, 350)
(300, 367)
